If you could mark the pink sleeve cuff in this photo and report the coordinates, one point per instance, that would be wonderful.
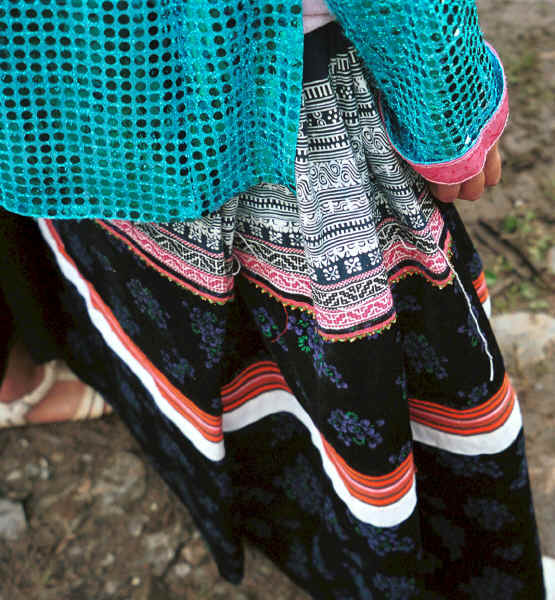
(472, 161)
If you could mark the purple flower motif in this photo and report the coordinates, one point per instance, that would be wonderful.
(475, 266)
(397, 459)
(422, 357)
(123, 315)
(438, 504)
(469, 466)
(285, 429)
(78, 251)
(352, 429)
(297, 560)
(208, 503)
(522, 477)
(318, 560)
(453, 537)
(492, 584)
(469, 328)
(395, 588)
(406, 303)
(401, 382)
(301, 484)
(106, 265)
(224, 484)
(476, 394)
(382, 540)
(490, 514)
(212, 333)
(147, 303)
(310, 341)
(178, 366)
(268, 327)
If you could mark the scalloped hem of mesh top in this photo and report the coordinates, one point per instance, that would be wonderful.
(24, 206)
(466, 166)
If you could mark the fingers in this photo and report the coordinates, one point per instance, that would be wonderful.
(492, 168)
(444, 192)
(473, 188)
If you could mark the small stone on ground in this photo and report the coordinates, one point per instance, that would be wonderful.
(12, 519)
(524, 337)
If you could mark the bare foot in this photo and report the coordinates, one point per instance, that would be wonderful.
(60, 404)
(22, 375)
(67, 399)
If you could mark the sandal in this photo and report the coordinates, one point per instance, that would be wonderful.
(91, 404)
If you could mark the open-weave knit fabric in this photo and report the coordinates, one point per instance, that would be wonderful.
(155, 110)
(439, 80)
(145, 109)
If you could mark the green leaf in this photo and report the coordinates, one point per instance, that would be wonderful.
(510, 224)
(491, 277)
(528, 291)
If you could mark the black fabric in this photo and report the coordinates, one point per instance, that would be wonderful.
(29, 281)
(7, 337)
(474, 519)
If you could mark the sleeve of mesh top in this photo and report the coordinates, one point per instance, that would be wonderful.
(442, 89)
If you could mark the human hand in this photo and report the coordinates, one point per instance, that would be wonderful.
(473, 188)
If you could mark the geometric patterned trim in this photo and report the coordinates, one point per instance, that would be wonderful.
(190, 266)
(261, 391)
(338, 310)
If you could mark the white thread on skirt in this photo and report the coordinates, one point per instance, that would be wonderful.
(238, 270)
(482, 336)
(247, 244)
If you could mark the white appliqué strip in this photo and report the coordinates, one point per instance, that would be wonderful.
(486, 305)
(276, 401)
(472, 445)
(212, 450)
(257, 408)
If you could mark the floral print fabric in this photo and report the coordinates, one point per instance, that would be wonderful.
(375, 461)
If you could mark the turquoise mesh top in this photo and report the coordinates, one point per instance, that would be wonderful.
(155, 110)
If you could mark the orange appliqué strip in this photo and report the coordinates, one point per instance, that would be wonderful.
(375, 490)
(481, 287)
(379, 491)
(485, 418)
(260, 377)
(209, 426)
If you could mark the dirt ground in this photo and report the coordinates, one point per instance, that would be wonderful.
(100, 522)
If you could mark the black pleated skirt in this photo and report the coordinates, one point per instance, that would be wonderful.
(316, 372)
